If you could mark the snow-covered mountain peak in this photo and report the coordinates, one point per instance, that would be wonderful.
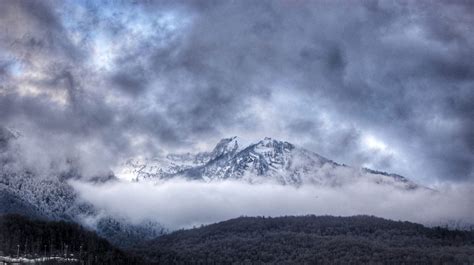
(271, 145)
(265, 160)
(226, 146)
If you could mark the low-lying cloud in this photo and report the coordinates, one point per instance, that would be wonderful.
(182, 204)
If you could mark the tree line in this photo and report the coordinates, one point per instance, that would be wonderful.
(23, 237)
(312, 240)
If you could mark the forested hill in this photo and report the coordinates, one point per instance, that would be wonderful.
(39, 239)
(251, 240)
(312, 240)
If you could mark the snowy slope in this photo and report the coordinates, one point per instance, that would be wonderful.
(173, 164)
(53, 198)
(268, 160)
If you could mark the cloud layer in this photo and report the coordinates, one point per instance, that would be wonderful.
(376, 83)
(183, 204)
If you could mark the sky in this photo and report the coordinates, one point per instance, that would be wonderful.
(387, 85)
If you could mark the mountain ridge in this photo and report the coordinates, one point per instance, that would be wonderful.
(52, 198)
(265, 160)
(312, 239)
(280, 162)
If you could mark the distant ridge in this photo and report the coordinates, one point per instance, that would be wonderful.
(267, 160)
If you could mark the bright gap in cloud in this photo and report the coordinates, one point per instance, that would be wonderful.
(373, 143)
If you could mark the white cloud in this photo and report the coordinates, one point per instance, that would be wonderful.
(374, 143)
(180, 203)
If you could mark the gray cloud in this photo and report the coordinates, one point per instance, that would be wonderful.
(324, 74)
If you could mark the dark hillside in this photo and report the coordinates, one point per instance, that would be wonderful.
(37, 238)
(312, 240)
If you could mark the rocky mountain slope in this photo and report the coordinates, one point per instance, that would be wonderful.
(51, 197)
(268, 160)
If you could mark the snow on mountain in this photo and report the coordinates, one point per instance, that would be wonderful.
(172, 164)
(51, 197)
(266, 160)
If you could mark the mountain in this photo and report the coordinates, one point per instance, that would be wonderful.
(311, 240)
(268, 160)
(47, 198)
(51, 197)
(174, 164)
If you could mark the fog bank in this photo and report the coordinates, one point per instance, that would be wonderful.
(183, 204)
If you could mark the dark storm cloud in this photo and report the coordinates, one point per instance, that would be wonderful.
(139, 77)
